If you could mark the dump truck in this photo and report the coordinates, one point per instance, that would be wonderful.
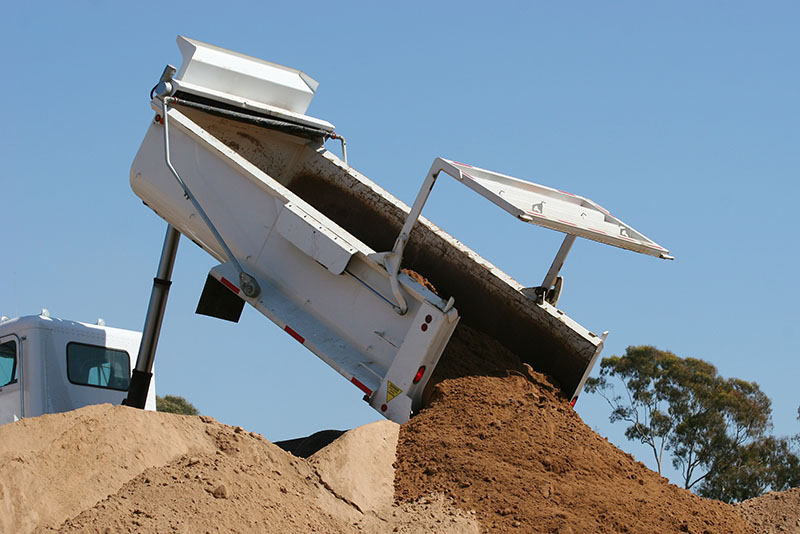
(52, 365)
(232, 161)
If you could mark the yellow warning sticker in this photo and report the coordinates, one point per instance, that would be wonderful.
(392, 391)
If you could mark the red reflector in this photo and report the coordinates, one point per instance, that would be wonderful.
(424, 327)
(418, 376)
(361, 386)
(289, 330)
(428, 318)
(230, 285)
(384, 407)
(573, 401)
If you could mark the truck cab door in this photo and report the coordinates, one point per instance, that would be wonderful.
(10, 374)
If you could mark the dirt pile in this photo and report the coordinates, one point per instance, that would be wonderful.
(499, 439)
(498, 450)
(115, 469)
(54, 466)
(774, 512)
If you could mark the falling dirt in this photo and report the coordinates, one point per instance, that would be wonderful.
(499, 439)
(421, 280)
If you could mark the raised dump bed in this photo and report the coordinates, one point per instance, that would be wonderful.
(249, 180)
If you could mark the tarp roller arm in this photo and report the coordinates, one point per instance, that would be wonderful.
(299, 130)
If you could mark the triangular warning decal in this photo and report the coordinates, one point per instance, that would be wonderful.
(392, 391)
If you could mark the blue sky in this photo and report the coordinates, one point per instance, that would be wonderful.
(681, 118)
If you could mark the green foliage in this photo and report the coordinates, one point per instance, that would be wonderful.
(175, 404)
(714, 429)
(646, 408)
(767, 464)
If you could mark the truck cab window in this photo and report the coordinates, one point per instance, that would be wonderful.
(8, 363)
(90, 365)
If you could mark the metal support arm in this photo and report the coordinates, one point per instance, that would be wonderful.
(550, 288)
(143, 373)
(391, 260)
(558, 261)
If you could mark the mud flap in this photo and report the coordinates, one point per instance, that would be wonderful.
(219, 301)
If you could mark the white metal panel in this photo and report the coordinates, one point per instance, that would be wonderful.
(423, 346)
(246, 82)
(351, 328)
(554, 209)
(314, 238)
(245, 77)
(348, 358)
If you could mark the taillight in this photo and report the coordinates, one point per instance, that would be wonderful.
(573, 401)
(418, 376)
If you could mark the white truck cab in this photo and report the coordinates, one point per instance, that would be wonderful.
(50, 365)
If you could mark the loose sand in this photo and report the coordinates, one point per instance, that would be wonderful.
(774, 512)
(116, 469)
(55, 466)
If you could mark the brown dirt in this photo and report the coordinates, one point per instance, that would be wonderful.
(774, 512)
(421, 280)
(499, 439)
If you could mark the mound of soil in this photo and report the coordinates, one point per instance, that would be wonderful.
(54, 466)
(104, 469)
(499, 439)
(248, 484)
(774, 512)
(499, 449)
(305, 447)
